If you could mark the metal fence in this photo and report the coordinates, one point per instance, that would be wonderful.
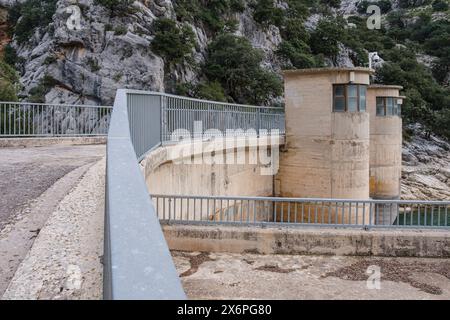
(138, 264)
(217, 118)
(156, 118)
(302, 212)
(21, 119)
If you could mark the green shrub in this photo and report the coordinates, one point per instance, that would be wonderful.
(211, 14)
(327, 36)
(173, 43)
(93, 64)
(116, 6)
(10, 55)
(8, 82)
(384, 5)
(265, 13)
(37, 94)
(300, 57)
(332, 3)
(29, 16)
(120, 30)
(210, 91)
(235, 64)
(440, 5)
(412, 3)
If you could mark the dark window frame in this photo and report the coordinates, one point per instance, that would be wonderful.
(346, 96)
(395, 106)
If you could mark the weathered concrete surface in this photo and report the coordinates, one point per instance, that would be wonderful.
(26, 173)
(385, 148)
(65, 260)
(32, 183)
(315, 241)
(250, 276)
(46, 142)
(184, 169)
(327, 153)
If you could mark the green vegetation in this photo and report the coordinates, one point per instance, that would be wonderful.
(8, 89)
(37, 94)
(117, 7)
(8, 82)
(385, 6)
(440, 5)
(265, 13)
(214, 15)
(331, 32)
(120, 30)
(93, 64)
(28, 16)
(428, 96)
(204, 90)
(173, 43)
(235, 65)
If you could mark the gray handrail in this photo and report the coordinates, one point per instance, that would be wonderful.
(279, 199)
(137, 260)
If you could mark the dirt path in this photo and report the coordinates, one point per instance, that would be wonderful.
(32, 183)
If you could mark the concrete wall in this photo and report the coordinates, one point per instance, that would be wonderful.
(167, 173)
(320, 241)
(327, 153)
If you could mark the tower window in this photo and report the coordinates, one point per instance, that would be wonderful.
(388, 106)
(349, 98)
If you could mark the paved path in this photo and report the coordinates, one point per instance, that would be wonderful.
(32, 183)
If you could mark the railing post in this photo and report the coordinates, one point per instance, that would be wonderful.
(258, 122)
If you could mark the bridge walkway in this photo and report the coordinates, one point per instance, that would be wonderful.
(33, 182)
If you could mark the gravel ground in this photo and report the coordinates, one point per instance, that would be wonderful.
(249, 276)
(65, 260)
(32, 183)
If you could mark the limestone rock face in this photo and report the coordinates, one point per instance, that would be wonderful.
(87, 64)
(426, 173)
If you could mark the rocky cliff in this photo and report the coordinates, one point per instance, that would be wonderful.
(426, 167)
(88, 64)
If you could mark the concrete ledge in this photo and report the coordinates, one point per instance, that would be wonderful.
(309, 241)
(44, 142)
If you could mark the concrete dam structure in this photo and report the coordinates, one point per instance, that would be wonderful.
(342, 141)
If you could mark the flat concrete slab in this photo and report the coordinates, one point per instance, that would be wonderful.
(250, 276)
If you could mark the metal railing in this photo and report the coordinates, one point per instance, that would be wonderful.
(22, 119)
(154, 118)
(138, 264)
(364, 214)
(217, 117)
(137, 261)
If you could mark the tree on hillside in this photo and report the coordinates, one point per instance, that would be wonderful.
(236, 65)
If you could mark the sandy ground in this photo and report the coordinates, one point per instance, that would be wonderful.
(65, 260)
(33, 181)
(249, 276)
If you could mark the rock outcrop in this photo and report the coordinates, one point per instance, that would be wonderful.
(426, 169)
(87, 64)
